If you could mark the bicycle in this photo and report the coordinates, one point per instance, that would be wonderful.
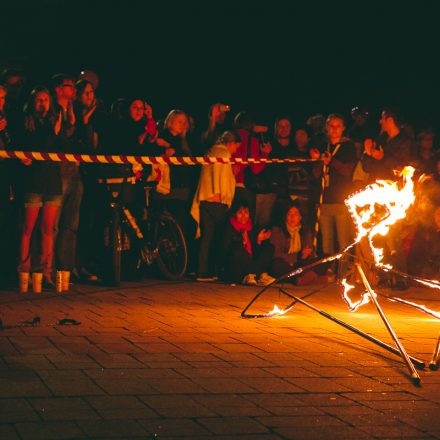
(157, 238)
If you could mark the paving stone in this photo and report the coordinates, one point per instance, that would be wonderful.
(49, 430)
(61, 408)
(173, 427)
(7, 432)
(234, 425)
(16, 410)
(112, 428)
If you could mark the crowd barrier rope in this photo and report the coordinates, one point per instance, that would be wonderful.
(146, 160)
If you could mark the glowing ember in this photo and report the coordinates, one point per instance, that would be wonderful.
(379, 206)
(277, 312)
(353, 306)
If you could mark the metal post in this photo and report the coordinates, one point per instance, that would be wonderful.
(420, 364)
(433, 365)
(414, 375)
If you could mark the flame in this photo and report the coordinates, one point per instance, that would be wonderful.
(421, 307)
(353, 306)
(277, 312)
(379, 206)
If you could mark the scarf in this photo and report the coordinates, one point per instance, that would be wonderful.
(295, 239)
(243, 229)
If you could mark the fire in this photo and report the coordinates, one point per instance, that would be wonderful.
(277, 311)
(353, 306)
(379, 206)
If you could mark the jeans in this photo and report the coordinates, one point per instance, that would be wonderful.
(212, 219)
(68, 221)
(336, 218)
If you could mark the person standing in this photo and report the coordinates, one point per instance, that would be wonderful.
(339, 159)
(72, 186)
(212, 200)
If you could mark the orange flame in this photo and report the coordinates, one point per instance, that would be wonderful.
(379, 206)
(277, 311)
(353, 306)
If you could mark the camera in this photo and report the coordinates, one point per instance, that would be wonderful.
(224, 108)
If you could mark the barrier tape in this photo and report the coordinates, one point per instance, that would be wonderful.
(146, 160)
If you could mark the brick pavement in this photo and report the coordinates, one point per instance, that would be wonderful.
(161, 360)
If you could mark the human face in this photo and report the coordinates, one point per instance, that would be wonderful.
(385, 122)
(335, 129)
(67, 90)
(87, 96)
(242, 215)
(179, 125)
(301, 139)
(42, 103)
(283, 129)
(2, 98)
(293, 217)
(136, 110)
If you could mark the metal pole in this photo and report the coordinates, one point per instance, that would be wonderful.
(293, 273)
(420, 364)
(414, 375)
(433, 365)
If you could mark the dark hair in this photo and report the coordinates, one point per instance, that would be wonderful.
(395, 114)
(335, 116)
(81, 85)
(244, 120)
(228, 137)
(304, 128)
(59, 79)
(31, 119)
(237, 205)
(10, 72)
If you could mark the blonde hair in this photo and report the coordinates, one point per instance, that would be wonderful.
(172, 115)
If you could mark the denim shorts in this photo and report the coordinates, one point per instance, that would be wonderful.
(34, 200)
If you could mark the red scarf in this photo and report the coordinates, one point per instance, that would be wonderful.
(243, 229)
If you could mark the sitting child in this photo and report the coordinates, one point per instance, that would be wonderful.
(246, 255)
(293, 248)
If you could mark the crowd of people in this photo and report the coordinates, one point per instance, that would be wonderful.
(247, 224)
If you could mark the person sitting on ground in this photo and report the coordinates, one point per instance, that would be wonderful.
(246, 254)
(293, 248)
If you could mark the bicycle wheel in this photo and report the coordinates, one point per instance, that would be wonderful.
(171, 250)
(115, 235)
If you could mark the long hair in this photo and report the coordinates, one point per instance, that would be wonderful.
(31, 118)
(173, 115)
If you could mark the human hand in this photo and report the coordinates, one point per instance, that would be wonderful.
(314, 153)
(169, 152)
(326, 157)
(26, 162)
(369, 144)
(264, 234)
(162, 143)
(70, 113)
(89, 113)
(266, 148)
(3, 124)
(57, 127)
(377, 153)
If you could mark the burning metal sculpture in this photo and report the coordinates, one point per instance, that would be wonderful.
(374, 210)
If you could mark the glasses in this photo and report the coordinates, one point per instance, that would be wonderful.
(69, 85)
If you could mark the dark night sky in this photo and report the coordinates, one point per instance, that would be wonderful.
(298, 59)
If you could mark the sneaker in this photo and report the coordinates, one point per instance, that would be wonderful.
(206, 279)
(265, 279)
(249, 279)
